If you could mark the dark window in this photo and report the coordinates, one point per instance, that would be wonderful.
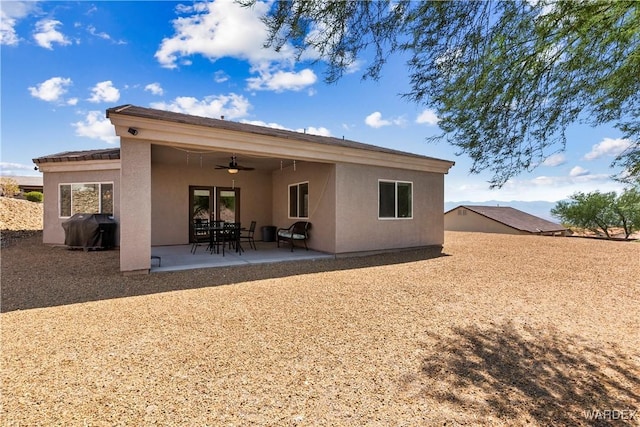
(395, 199)
(387, 199)
(299, 200)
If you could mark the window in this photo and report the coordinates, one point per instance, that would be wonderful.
(299, 200)
(395, 199)
(86, 198)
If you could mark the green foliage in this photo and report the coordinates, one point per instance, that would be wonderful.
(598, 211)
(627, 208)
(506, 78)
(593, 211)
(34, 196)
(9, 187)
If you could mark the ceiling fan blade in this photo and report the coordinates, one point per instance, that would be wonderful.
(234, 165)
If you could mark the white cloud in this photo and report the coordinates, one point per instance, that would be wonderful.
(51, 90)
(155, 88)
(555, 160)
(542, 180)
(544, 188)
(8, 168)
(231, 106)
(46, 34)
(578, 171)
(102, 35)
(428, 117)
(375, 120)
(219, 29)
(265, 124)
(8, 35)
(282, 80)
(220, 76)
(311, 130)
(608, 147)
(104, 92)
(10, 13)
(96, 126)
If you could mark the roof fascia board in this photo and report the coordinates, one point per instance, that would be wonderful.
(79, 166)
(194, 136)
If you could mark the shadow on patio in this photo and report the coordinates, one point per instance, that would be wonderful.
(35, 275)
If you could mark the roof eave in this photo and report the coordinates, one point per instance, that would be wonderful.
(190, 131)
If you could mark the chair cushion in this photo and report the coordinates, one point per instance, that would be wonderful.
(288, 235)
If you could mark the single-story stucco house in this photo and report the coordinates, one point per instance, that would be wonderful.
(172, 167)
(499, 219)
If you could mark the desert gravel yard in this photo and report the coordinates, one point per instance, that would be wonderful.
(499, 330)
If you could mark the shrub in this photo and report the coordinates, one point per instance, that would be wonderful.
(9, 187)
(34, 196)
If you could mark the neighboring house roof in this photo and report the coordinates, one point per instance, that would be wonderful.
(169, 116)
(77, 156)
(27, 181)
(514, 218)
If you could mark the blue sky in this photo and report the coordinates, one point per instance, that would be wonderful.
(64, 63)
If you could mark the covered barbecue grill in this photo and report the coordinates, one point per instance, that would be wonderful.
(90, 231)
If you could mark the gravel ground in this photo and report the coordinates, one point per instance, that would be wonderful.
(500, 330)
(18, 219)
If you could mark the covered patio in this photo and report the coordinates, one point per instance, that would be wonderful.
(179, 257)
(173, 171)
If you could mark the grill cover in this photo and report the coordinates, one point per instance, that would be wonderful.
(90, 231)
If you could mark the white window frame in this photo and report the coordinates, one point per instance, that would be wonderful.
(297, 184)
(395, 202)
(71, 184)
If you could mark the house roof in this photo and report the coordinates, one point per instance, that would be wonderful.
(514, 218)
(77, 156)
(27, 181)
(169, 116)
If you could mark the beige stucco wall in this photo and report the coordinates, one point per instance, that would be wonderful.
(170, 198)
(358, 228)
(322, 201)
(53, 233)
(135, 205)
(472, 221)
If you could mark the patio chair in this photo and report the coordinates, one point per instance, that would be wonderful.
(201, 234)
(217, 239)
(248, 236)
(298, 231)
(231, 234)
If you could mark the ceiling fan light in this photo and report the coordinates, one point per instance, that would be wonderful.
(232, 170)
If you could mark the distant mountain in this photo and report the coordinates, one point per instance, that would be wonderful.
(539, 208)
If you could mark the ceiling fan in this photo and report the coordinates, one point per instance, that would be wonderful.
(234, 167)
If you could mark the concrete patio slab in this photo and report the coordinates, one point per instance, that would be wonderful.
(179, 257)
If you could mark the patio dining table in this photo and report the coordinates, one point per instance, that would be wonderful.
(222, 232)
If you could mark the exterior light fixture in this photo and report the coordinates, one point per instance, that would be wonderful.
(133, 131)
